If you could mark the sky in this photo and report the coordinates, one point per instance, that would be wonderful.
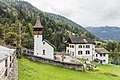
(84, 12)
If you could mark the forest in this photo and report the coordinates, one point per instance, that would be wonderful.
(16, 15)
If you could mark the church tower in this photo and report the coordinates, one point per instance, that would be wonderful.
(38, 31)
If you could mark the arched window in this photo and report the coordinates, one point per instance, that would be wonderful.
(87, 52)
(80, 53)
(80, 46)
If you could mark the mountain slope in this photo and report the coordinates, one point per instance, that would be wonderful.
(57, 28)
(106, 33)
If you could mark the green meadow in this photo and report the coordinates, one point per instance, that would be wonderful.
(30, 70)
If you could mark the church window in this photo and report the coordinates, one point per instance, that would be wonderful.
(43, 42)
(43, 52)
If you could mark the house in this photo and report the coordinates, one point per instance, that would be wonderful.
(7, 61)
(101, 54)
(80, 47)
(42, 48)
(83, 47)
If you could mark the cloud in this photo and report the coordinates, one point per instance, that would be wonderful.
(112, 11)
(84, 12)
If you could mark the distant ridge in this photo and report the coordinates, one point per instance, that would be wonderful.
(106, 32)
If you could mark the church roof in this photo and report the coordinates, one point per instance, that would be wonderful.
(49, 43)
(38, 23)
(101, 51)
(79, 40)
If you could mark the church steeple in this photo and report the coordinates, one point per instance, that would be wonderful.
(38, 28)
(38, 23)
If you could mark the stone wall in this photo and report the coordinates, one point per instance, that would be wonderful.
(8, 65)
(78, 67)
(13, 75)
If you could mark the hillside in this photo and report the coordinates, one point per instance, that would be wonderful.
(57, 29)
(106, 33)
(30, 70)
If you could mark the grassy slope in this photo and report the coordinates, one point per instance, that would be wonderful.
(29, 70)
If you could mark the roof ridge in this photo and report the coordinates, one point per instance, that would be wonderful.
(49, 42)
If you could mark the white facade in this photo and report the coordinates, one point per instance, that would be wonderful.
(102, 57)
(85, 51)
(42, 48)
(38, 45)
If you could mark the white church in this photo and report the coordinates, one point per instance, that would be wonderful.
(83, 47)
(42, 48)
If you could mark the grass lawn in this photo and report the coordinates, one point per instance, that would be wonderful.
(30, 70)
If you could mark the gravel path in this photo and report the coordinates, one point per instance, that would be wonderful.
(68, 59)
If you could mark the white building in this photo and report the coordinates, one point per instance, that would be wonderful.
(82, 47)
(101, 55)
(7, 60)
(42, 48)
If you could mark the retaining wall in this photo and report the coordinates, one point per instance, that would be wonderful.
(78, 67)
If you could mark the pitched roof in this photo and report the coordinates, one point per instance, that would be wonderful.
(101, 51)
(38, 23)
(79, 40)
(49, 43)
